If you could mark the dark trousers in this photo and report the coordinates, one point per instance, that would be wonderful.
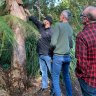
(86, 89)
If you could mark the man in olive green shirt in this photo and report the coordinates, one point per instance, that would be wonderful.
(62, 42)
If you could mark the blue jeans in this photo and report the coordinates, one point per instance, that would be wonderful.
(86, 89)
(45, 65)
(61, 62)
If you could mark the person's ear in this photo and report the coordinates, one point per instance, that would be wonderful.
(87, 18)
(90, 16)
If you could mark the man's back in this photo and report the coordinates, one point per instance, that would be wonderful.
(61, 41)
(62, 38)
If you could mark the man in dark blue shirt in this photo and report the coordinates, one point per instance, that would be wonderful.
(43, 46)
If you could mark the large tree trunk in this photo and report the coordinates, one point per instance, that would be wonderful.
(18, 73)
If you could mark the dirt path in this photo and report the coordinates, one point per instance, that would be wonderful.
(34, 89)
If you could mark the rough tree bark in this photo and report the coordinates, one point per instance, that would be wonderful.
(18, 73)
(3, 85)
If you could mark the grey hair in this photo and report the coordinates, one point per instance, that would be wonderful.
(66, 13)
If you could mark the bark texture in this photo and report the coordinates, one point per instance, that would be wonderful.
(18, 76)
(3, 85)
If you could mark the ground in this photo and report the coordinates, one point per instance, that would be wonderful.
(34, 89)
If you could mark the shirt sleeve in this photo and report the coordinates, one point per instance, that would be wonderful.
(35, 21)
(55, 35)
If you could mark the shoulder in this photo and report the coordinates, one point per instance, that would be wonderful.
(57, 24)
(51, 28)
(82, 36)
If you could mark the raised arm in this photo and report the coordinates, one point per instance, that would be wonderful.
(35, 21)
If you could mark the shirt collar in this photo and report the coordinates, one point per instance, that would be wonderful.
(47, 28)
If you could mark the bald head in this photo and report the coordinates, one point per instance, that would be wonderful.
(90, 12)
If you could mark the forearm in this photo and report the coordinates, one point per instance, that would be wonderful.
(35, 21)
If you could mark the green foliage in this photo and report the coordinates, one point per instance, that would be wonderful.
(32, 57)
(26, 27)
(6, 34)
(2, 7)
(30, 32)
(6, 40)
(2, 2)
